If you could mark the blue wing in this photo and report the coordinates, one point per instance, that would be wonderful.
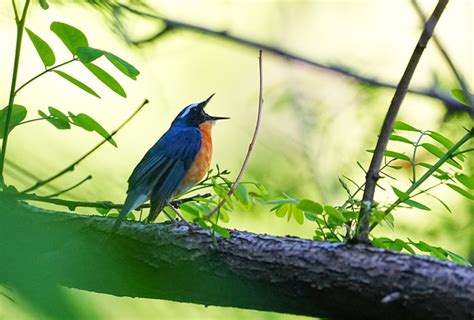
(162, 169)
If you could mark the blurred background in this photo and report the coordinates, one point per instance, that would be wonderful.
(317, 124)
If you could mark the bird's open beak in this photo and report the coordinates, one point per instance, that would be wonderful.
(203, 105)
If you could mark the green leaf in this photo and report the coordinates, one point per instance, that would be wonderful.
(125, 67)
(223, 232)
(44, 50)
(298, 215)
(106, 78)
(242, 194)
(402, 195)
(459, 95)
(399, 125)
(310, 206)
(281, 210)
(58, 114)
(467, 181)
(416, 204)
(88, 54)
(72, 37)
(395, 137)
(442, 202)
(396, 155)
(457, 258)
(44, 4)
(76, 82)
(434, 150)
(441, 139)
(18, 115)
(334, 213)
(461, 191)
(57, 122)
(86, 122)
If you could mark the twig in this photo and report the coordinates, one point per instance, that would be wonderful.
(449, 61)
(451, 103)
(252, 142)
(362, 233)
(89, 177)
(72, 205)
(75, 163)
(43, 73)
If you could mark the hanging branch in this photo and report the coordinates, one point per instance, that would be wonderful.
(362, 233)
(88, 153)
(252, 142)
(170, 25)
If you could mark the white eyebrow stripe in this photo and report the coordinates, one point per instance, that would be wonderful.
(187, 110)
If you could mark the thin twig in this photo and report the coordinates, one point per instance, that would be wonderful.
(451, 103)
(75, 163)
(72, 205)
(362, 233)
(252, 142)
(449, 61)
(15, 11)
(89, 177)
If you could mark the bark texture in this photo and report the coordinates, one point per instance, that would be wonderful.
(251, 271)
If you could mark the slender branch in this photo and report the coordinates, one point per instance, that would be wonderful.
(252, 142)
(451, 103)
(449, 61)
(88, 153)
(15, 11)
(89, 177)
(461, 152)
(362, 233)
(43, 73)
(448, 155)
(413, 159)
(19, 36)
(72, 205)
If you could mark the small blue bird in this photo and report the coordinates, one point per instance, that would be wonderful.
(178, 161)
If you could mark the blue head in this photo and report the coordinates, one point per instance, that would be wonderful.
(194, 115)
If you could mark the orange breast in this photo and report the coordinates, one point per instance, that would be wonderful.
(201, 164)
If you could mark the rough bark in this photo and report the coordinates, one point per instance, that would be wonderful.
(251, 271)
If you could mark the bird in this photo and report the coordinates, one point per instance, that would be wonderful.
(173, 165)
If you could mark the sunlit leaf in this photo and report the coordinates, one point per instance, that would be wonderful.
(298, 215)
(467, 181)
(59, 123)
(399, 125)
(335, 214)
(461, 191)
(434, 150)
(402, 195)
(223, 232)
(76, 82)
(442, 202)
(393, 154)
(18, 114)
(122, 65)
(106, 78)
(395, 137)
(459, 95)
(241, 193)
(441, 139)
(86, 122)
(72, 37)
(310, 206)
(457, 258)
(416, 204)
(44, 50)
(88, 54)
(44, 4)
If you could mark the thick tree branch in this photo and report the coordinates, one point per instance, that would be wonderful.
(362, 233)
(169, 25)
(252, 271)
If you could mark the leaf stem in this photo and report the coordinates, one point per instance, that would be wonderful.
(43, 73)
(20, 26)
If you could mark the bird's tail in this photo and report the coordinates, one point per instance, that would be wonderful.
(132, 202)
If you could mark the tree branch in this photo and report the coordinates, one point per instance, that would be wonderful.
(170, 25)
(87, 154)
(362, 233)
(251, 271)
